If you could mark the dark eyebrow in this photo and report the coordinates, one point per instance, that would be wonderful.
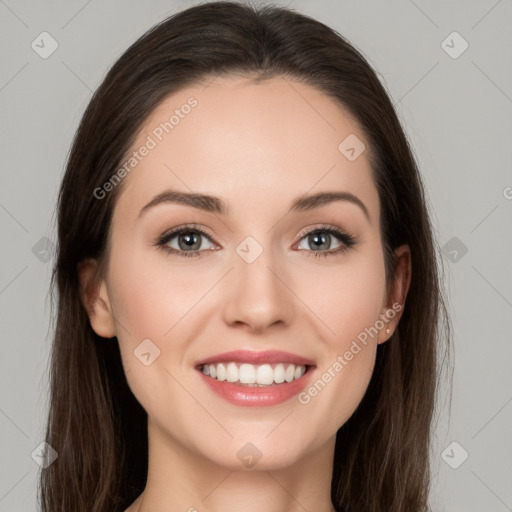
(305, 203)
(216, 205)
(201, 201)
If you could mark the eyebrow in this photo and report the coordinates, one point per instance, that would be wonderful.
(217, 205)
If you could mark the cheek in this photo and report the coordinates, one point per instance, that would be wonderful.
(358, 297)
(349, 302)
(144, 302)
(349, 297)
(151, 295)
(156, 299)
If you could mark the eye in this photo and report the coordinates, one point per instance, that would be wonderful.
(186, 241)
(320, 241)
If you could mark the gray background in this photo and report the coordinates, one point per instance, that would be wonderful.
(457, 113)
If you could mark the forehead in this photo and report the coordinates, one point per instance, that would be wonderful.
(232, 138)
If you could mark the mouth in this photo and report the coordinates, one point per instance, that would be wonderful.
(250, 378)
(251, 375)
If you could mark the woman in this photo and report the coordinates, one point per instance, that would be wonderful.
(249, 302)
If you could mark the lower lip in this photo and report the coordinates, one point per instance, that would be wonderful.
(257, 396)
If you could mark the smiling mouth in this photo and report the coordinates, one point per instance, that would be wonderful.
(251, 375)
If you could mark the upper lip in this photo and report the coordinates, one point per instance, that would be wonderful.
(257, 357)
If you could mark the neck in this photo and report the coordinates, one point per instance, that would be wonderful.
(181, 479)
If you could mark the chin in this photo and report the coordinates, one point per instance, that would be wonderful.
(256, 453)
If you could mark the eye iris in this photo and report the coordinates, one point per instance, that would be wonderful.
(191, 241)
(319, 240)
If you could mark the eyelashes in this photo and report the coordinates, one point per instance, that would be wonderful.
(185, 230)
(323, 234)
(346, 240)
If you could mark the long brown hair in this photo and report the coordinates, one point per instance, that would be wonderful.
(95, 424)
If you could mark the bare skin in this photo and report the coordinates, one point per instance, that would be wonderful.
(258, 147)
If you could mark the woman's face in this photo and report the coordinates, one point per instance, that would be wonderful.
(265, 277)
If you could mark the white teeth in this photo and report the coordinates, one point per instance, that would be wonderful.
(232, 372)
(279, 374)
(247, 374)
(254, 375)
(221, 371)
(265, 375)
(289, 374)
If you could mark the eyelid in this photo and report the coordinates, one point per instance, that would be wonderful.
(171, 233)
(322, 227)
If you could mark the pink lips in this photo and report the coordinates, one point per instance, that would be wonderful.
(257, 396)
(254, 357)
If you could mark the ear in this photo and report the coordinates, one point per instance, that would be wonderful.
(393, 308)
(94, 297)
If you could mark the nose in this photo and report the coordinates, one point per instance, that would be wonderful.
(257, 296)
